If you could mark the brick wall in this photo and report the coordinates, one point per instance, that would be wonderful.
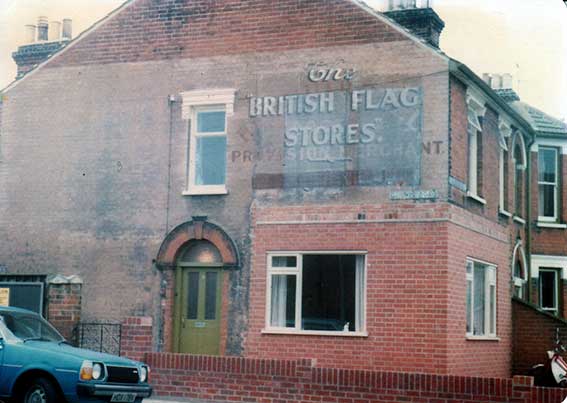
(534, 335)
(224, 379)
(183, 29)
(136, 337)
(64, 307)
(415, 286)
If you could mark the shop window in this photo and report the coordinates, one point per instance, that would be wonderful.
(207, 112)
(548, 184)
(549, 290)
(481, 299)
(316, 292)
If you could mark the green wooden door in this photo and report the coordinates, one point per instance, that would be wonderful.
(198, 313)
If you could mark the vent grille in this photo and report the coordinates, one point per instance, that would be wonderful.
(122, 374)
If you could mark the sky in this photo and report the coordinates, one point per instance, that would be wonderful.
(526, 38)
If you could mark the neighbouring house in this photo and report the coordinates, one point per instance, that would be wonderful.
(283, 180)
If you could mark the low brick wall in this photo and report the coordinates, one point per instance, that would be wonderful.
(64, 307)
(534, 335)
(235, 379)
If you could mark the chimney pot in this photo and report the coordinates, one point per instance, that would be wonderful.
(42, 28)
(54, 33)
(507, 81)
(30, 33)
(67, 28)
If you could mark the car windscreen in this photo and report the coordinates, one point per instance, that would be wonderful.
(30, 327)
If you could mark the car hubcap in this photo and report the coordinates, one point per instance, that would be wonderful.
(36, 395)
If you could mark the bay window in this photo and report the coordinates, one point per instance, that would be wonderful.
(480, 299)
(316, 292)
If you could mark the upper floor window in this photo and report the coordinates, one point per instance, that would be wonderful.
(207, 112)
(519, 176)
(504, 132)
(475, 110)
(519, 271)
(548, 184)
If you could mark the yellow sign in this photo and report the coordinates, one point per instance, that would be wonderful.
(4, 297)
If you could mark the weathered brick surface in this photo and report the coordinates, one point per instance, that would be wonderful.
(224, 379)
(149, 30)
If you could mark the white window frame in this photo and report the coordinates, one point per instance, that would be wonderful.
(194, 102)
(555, 185)
(518, 137)
(520, 254)
(505, 132)
(490, 281)
(556, 276)
(475, 110)
(361, 286)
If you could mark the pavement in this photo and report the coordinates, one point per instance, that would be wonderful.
(174, 400)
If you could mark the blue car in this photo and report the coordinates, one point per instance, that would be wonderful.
(38, 366)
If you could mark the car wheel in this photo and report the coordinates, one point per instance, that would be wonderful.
(39, 390)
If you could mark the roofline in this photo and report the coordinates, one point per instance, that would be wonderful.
(69, 45)
(404, 31)
(465, 74)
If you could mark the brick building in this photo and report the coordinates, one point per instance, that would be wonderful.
(279, 180)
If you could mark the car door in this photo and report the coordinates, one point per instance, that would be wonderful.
(3, 380)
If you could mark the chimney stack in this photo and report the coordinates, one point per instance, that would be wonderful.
(30, 34)
(67, 29)
(502, 84)
(54, 33)
(42, 29)
(418, 17)
(42, 41)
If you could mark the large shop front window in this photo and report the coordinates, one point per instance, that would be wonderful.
(481, 299)
(548, 183)
(312, 292)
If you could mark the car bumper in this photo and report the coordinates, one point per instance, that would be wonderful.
(108, 389)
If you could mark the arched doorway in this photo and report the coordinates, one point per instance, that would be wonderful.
(197, 313)
(199, 254)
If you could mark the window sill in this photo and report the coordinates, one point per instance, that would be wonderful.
(206, 191)
(476, 197)
(519, 220)
(505, 213)
(314, 333)
(483, 338)
(544, 224)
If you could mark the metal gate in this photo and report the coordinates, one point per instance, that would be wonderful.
(97, 336)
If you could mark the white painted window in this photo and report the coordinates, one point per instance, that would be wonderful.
(519, 270)
(505, 131)
(316, 292)
(520, 165)
(480, 299)
(549, 290)
(207, 112)
(548, 183)
(475, 110)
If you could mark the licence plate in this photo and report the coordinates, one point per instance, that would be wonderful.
(123, 397)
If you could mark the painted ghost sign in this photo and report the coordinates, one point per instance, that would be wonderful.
(366, 137)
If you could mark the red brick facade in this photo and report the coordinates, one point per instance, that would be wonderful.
(64, 307)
